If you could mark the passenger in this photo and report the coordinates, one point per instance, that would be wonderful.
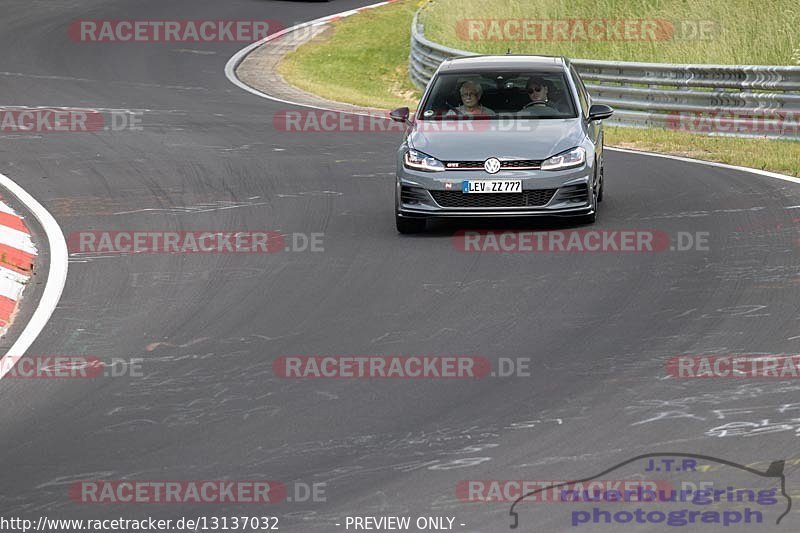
(471, 94)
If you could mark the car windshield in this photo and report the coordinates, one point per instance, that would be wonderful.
(493, 95)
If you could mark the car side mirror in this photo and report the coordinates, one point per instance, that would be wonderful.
(600, 112)
(400, 114)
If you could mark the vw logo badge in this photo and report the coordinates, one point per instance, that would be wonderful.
(492, 165)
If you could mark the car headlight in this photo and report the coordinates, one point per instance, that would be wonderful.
(569, 159)
(422, 161)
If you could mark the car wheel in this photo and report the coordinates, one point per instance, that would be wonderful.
(409, 225)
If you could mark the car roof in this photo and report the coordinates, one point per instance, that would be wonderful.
(513, 62)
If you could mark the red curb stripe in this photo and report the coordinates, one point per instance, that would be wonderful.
(7, 307)
(14, 222)
(16, 260)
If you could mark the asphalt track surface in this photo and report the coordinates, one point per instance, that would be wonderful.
(597, 327)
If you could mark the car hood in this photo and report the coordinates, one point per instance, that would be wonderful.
(480, 139)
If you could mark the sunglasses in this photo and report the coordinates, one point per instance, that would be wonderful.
(532, 90)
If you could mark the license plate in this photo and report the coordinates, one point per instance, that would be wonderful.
(490, 186)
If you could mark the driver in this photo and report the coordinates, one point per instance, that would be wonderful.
(471, 93)
(545, 100)
(538, 90)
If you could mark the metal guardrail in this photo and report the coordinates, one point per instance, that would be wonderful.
(739, 100)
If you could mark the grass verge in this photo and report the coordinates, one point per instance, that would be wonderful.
(765, 154)
(363, 60)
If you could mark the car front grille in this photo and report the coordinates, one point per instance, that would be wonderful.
(534, 198)
(519, 164)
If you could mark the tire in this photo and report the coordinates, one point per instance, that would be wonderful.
(409, 225)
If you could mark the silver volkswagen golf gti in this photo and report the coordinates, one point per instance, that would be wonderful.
(501, 136)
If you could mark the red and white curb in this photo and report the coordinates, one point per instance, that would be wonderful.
(17, 256)
(15, 242)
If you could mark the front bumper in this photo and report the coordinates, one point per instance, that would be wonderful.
(564, 193)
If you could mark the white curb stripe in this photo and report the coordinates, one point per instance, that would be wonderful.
(11, 288)
(16, 239)
(12, 275)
